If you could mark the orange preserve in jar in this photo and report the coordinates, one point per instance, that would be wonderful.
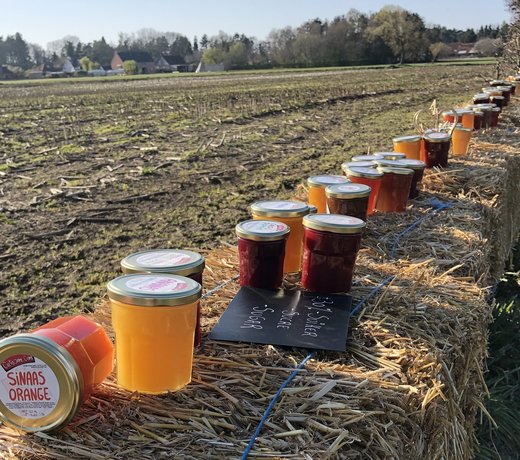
(460, 140)
(367, 176)
(290, 213)
(172, 261)
(395, 189)
(317, 185)
(154, 318)
(409, 145)
(47, 373)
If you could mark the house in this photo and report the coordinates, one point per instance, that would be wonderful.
(61, 67)
(143, 59)
(170, 63)
(36, 72)
(463, 49)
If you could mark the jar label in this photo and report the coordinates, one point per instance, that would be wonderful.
(158, 259)
(329, 179)
(282, 205)
(156, 284)
(28, 386)
(263, 226)
(338, 219)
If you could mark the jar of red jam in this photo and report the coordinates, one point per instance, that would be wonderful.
(170, 261)
(365, 158)
(478, 120)
(506, 92)
(330, 247)
(316, 186)
(395, 189)
(390, 155)
(357, 164)
(46, 374)
(417, 166)
(498, 101)
(261, 249)
(496, 115)
(368, 176)
(290, 213)
(481, 98)
(348, 200)
(436, 147)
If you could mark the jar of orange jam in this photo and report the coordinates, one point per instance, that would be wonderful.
(316, 189)
(331, 244)
(409, 145)
(290, 213)
(46, 374)
(154, 317)
(261, 250)
(348, 200)
(367, 176)
(395, 189)
(172, 261)
(417, 166)
(460, 140)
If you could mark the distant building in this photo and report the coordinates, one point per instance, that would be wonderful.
(143, 59)
(36, 72)
(170, 63)
(463, 49)
(6, 73)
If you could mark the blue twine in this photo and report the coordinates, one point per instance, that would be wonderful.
(371, 294)
(438, 206)
(271, 405)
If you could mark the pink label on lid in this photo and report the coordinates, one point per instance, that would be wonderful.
(158, 259)
(326, 179)
(262, 226)
(156, 284)
(282, 205)
(338, 219)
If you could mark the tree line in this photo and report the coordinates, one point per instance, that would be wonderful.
(391, 35)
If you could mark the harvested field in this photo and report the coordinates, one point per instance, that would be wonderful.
(409, 385)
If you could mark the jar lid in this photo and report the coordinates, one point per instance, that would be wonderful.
(496, 109)
(279, 208)
(436, 136)
(391, 170)
(411, 163)
(410, 138)
(463, 111)
(368, 173)
(358, 164)
(312, 209)
(390, 155)
(365, 158)
(497, 97)
(173, 261)
(486, 106)
(262, 230)
(325, 180)
(491, 89)
(41, 384)
(498, 82)
(334, 223)
(504, 88)
(384, 162)
(481, 96)
(154, 290)
(348, 191)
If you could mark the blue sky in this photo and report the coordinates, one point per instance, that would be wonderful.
(41, 21)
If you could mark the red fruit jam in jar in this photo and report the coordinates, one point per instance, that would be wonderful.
(368, 176)
(417, 166)
(436, 149)
(316, 192)
(173, 262)
(348, 200)
(330, 247)
(395, 189)
(46, 374)
(261, 249)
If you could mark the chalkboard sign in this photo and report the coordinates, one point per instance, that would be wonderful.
(288, 318)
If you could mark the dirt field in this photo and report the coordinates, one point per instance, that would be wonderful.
(90, 172)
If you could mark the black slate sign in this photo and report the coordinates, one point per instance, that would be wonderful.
(288, 318)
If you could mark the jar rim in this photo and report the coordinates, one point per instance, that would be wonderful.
(324, 180)
(352, 190)
(268, 230)
(334, 223)
(172, 261)
(279, 208)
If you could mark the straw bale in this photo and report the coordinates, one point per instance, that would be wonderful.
(410, 383)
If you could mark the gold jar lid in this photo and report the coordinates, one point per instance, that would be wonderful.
(358, 164)
(364, 158)
(334, 223)
(279, 208)
(348, 191)
(172, 261)
(497, 97)
(436, 136)
(384, 162)
(367, 173)
(496, 109)
(400, 171)
(154, 290)
(410, 138)
(480, 96)
(506, 88)
(390, 155)
(262, 230)
(498, 82)
(411, 164)
(325, 180)
(41, 385)
(312, 209)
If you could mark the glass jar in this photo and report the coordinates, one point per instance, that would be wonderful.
(409, 145)
(331, 244)
(365, 158)
(481, 98)
(466, 117)
(460, 140)
(171, 261)
(492, 91)
(417, 166)
(357, 164)
(367, 176)
(316, 189)
(154, 317)
(261, 250)
(390, 155)
(436, 147)
(478, 119)
(506, 92)
(46, 374)
(395, 189)
(348, 200)
(498, 82)
(496, 115)
(290, 213)
(498, 101)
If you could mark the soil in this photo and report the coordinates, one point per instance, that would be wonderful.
(90, 172)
